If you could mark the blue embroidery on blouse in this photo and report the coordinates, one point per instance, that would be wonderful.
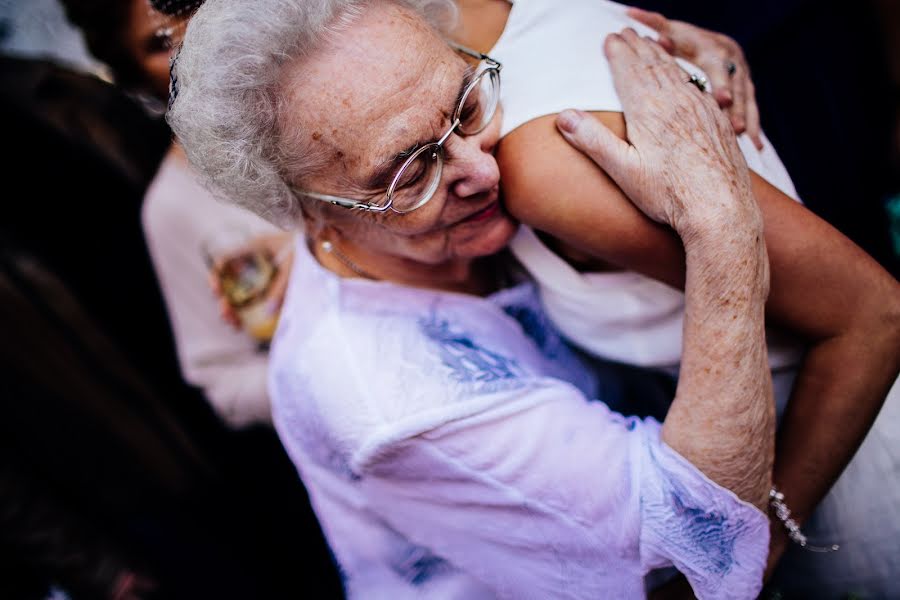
(419, 566)
(534, 324)
(708, 536)
(562, 361)
(711, 534)
(470, 362)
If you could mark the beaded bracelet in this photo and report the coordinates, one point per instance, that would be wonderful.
(776, 501)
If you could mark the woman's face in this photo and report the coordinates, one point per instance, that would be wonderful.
(149, 40)
(383, 86)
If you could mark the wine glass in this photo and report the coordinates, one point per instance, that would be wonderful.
(244, 267)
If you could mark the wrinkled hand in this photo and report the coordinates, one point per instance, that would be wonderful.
(683, 166)
(281, 248)
(713, 52)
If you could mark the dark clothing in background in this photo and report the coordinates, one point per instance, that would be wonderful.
(109, 462)
(826, 99)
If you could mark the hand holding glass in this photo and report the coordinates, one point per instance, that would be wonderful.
(246, 271)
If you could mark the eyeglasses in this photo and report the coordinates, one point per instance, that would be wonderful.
(416, 181)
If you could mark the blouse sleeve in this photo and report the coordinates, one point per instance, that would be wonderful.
(547, 495)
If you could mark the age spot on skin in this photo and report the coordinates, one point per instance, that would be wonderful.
(316, 136)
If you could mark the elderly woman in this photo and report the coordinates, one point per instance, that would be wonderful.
(608, 278)
(444, 431)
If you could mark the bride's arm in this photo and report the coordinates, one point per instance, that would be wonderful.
(823, 287)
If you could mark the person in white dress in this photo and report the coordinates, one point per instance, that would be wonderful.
(610, 280)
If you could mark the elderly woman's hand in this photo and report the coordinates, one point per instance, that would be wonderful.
(723, 61)
(683, 166)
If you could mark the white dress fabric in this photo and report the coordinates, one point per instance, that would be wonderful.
(178, 216)
(451, 450)
(553, 59)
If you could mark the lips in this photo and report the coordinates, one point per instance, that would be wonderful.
(488, 211)
(485, 213)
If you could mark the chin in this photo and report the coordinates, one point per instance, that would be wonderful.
(490, 238)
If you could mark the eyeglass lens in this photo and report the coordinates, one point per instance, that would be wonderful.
(420, 175)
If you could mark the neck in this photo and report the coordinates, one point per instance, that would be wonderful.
(177, 152)
(343, 257)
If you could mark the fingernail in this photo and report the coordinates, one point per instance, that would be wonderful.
(568, 120)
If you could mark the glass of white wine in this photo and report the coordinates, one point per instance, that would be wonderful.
(245, 271)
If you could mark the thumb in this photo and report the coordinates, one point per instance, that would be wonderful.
(611, 153)
(717, 72)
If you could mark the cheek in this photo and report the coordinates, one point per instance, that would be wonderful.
(157, 68)
(425, 220)
(414, 236)
(473, 240)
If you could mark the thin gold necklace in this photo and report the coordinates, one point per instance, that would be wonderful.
(330, 248)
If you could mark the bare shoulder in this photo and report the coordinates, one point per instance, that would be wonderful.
(535, 162)
(555, 189)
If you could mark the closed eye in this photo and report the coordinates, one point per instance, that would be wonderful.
(409, 151)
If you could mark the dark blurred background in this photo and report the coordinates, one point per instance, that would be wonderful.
(117, 480)
(115, 474)
(827, 75)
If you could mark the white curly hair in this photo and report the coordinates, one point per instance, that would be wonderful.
(226, 99)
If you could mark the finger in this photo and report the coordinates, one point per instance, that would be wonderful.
(228, 314)
(653, 20)
(656, 48)
(664, 64)
(629, 72)
(620, 55)
(590, 136)
(638, 66)
(738, 110)
(724, 97)
(722, 82)
(640, 45)
(754, 127)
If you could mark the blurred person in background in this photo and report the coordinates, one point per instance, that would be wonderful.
(189, 233)
(114, 470)
(182, 222)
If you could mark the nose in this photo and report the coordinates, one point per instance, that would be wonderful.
(474, 168)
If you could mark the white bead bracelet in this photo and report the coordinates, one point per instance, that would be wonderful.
(776, 501)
